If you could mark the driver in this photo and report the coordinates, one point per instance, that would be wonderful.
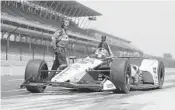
(104, 45)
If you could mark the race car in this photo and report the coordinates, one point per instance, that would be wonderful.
(98, 72)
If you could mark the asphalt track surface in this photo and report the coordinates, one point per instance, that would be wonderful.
(57, 98)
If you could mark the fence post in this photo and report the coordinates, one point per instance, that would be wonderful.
(20, 54)
(44, 53)
(33, 53)
(7, 46)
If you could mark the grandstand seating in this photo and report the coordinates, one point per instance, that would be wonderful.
(20, 50)
(16, 12)
(31, 17)
(3, 55)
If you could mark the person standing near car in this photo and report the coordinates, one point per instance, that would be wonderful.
(60, 43)
(103, 44)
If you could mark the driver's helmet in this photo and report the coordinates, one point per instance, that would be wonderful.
(101, 53)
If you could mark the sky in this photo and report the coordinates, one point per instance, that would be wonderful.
(150, 26)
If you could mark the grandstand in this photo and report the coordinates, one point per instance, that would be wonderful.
(27, 27)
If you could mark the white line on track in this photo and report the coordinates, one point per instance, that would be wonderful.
(16, 97)
(50, 101)
(14, 90)
(15, 80)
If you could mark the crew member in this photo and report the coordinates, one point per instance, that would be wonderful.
(104, 45)
(60, 44)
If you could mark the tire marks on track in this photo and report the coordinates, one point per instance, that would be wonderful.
(60, 98)
(56, 101)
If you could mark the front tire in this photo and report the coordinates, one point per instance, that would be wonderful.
(161, 74)
(120, 75)
(33, 74)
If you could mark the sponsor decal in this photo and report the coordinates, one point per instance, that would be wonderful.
(87, 60)
(75, 66)
(127, 54)
(154, 70)
(76, 79)
(109, 85)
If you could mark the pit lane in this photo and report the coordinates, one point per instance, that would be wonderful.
(61, 98)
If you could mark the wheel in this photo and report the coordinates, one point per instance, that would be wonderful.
(161, 74)
(33, 73)
(120, 75)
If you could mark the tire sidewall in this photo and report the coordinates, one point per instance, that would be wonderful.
(118, 74)
(33, 70)
(36, 72)
(161, 70)
(127, 86)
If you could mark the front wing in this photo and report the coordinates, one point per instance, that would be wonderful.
(104, 85)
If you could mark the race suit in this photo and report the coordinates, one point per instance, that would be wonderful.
(60, 43)
(106, 47)
(60, 48)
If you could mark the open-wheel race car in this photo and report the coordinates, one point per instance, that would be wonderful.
(99, 72)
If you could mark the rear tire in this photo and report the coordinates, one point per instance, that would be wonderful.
(161, 74)
(120, 75)
(33, 73)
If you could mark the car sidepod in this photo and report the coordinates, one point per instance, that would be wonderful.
(152, 71)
